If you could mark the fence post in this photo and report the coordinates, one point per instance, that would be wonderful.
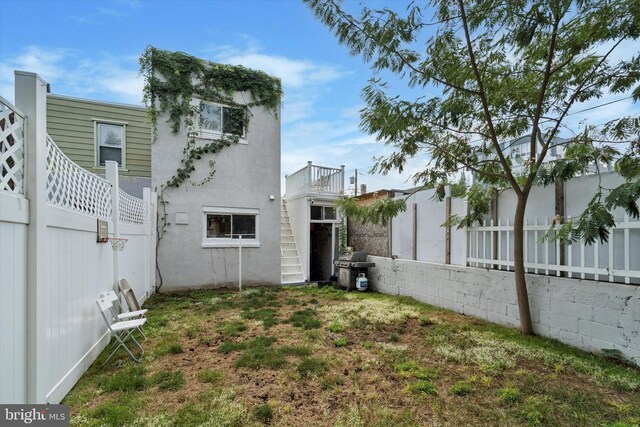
(559, 211)
(415, 231)
(146, 196)
(111, 172)
(494, 234)
(447, 218)
(31, 98)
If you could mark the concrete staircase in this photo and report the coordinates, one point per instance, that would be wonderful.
(290, 266)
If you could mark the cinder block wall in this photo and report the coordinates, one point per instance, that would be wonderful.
(586, 314)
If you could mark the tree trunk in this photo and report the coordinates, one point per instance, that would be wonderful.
(526, 328)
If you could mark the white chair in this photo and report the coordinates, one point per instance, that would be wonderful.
(118, 315)
(129, 296)
(120, 330)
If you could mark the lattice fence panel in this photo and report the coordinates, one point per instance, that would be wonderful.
(71, 187)
(132, 210)
(11, 150)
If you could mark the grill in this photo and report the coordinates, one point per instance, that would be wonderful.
(350, 266)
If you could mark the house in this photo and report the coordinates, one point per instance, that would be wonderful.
(311, 223)
(219, 217)
(91, 132)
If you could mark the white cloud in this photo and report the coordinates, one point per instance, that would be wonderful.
(294, 73)
(107, 77)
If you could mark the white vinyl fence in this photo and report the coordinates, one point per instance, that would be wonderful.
(610, 261)
(417, 234)
(51, 266)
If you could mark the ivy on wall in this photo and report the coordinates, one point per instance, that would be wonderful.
(173, 82)
(174, 79)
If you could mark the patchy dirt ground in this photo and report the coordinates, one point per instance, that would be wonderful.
(324, 357)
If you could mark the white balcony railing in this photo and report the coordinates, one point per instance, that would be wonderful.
(316, 180)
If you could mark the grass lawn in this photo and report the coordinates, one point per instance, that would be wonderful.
(307, 356)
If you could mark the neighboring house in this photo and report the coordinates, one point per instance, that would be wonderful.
(90, 132)
(519, 149)
(200, 224)
(314, 223)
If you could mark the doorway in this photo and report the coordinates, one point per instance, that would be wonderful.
(321, 252)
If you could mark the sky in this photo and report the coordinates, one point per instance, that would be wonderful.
(90, 49)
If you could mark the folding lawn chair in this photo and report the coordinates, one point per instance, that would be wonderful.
(129, 296)
(128, 315)
(120, 330)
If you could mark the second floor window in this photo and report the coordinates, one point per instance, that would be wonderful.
(110, 143)
(215, 118)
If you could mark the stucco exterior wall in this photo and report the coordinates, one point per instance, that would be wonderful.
(245, 178)
(586, 314)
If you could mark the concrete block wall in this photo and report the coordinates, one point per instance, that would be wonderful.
(586, 314)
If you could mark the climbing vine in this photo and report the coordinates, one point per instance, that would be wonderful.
(175, 82)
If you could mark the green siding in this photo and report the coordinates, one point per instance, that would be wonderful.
(70, 123)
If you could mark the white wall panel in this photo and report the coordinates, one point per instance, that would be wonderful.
(13, 288)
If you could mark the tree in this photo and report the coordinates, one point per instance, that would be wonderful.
(484, 72)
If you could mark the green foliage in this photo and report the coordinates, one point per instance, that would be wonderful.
(379, 212)
(263, 413)
(267, 316)
(130, 378)
(210, 376)
(460, 388)
(340, 342)
(174, 79)
(231, 346)
(508, 394)
(342, 237)
(305, 319)
(309, 366)
(336, 327)
(118, 412)
(232, 328)
(422, 388)
(168, 380)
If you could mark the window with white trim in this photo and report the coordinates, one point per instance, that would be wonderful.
(323, 213)
(110, 138)
(224, 226)
(218, 119)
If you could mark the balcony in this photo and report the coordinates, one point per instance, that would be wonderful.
(316, 181)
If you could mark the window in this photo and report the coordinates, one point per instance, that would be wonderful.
(110, 142)
(223, 227)
(216, 118)
(323, 213)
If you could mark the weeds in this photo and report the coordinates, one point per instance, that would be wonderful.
(231, 328)
(210, 376)
(305, 319)
(168, 380)
(131, 378)
(266, 316)
(309, 366)
(263, 413)
(508, 394)
(422, 388)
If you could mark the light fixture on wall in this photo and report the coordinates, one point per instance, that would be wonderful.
(272, 197)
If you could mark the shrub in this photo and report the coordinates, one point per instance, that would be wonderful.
(508, 394)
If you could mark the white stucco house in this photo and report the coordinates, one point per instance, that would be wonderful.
(201, 222)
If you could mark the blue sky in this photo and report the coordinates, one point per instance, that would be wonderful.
(90, 49)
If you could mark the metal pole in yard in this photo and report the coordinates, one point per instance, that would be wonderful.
(240, 262)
